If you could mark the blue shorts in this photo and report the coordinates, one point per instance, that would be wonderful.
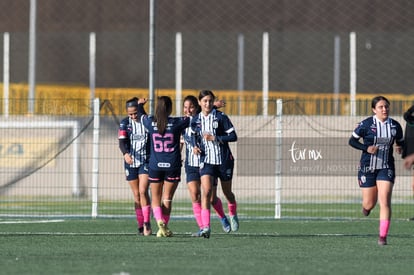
(369, 178)
(164, 175)
(226, 170)
(210, 169)
(192, 173)
(132, 173)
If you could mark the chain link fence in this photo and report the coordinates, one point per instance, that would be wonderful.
(223, 46)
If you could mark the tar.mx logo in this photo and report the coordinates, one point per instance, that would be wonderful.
(298, 154)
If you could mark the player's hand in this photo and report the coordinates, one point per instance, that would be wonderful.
(209, 137)
(196, 151)
(372, 149)
(220, 103)
(409, 161)
(128, 159)
(142, 100)
(398, 149)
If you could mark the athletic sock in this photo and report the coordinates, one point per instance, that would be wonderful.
(232, 208)
(384, 226)
(146, 212)
(205, 217)
(218, 207)
(166, 218)
(139, 216)
(197, 214)
(157, 213)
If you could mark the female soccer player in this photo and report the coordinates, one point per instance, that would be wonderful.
(191, 108)
(212, 128)
(376, 173)
(133, 143)
(165, 160)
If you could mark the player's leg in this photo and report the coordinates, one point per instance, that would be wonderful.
(193, 185)
(132, 178)
(384, 198)
(369, 199)
(218, 208)
(145, 202)
(195, 195)
(206, 191)
(226, 179)
(367, 183)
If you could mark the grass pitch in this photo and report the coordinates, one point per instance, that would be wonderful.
(111, 246)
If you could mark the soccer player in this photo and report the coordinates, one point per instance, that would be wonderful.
(165, 160)
(210, 128)
(191, 108)
(376, 173)
(133, 143)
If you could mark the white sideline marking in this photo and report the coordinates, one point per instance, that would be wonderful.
(20, 222)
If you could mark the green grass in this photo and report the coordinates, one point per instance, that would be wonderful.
(110, 246)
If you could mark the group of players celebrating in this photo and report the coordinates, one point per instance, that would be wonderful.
(152, 145)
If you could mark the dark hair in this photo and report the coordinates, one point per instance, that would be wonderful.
(376, 99)
(162, 111)
(204, 93)
(133, 102)
(193, 101)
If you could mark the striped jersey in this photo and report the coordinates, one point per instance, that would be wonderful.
(381, 134)
(137, 136)
(165, 149)
(190, 158)
(219, 125)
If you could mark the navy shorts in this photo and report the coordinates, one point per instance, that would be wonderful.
(132, 173)
(192, 173)
(164, 175)
(369, 178)
(210, 169)
(226, 170)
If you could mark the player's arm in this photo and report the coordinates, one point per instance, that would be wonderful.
(229, 131)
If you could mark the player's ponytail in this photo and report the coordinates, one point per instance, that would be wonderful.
(162, 111)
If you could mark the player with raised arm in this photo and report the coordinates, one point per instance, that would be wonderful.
(376, 173)
(165, 160)
(134, 145)
(210, 128)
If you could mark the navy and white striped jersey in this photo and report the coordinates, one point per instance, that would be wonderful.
(190, 158)
(381, 134)
(219, 125)
(165, 149)
(137, 137)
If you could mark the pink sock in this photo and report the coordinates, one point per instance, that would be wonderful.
(140, 217)
(218, 207)
(384, 226)
(146, 212)
(197, 214)
(157, 213)
(205, 217)
(232, 209)
(166, 218)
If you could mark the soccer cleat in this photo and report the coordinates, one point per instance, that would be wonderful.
(225, 224)
(205, 232)
(163, 230)
(141, 231)
(382, 240)
(147, 229)
(234, 222)
(365, 212)
(197, 234)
